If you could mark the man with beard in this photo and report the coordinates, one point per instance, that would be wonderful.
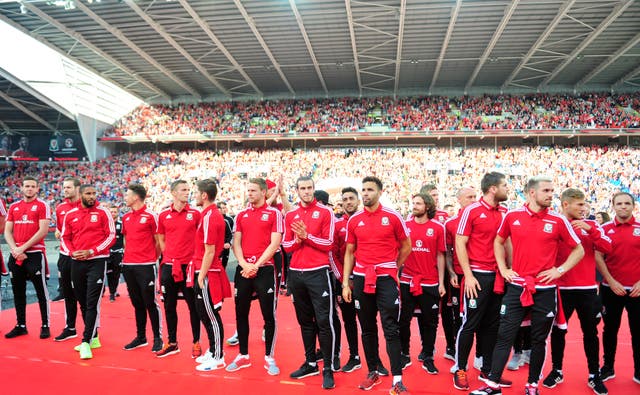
(536, 233)
(579, 291)
(621, 283)
(378, 244)
(476, 231)
(27, 225)
(258, 234)
(87, 234)
(309, 230)
(422, 279)
(351, 205)
(71, 192)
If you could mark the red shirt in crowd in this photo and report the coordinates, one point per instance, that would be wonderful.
(536, 238)
(26, 217)
(211, 232)
(88, 229)
(313, 252)
(480, 222)
(139, 228)
(427, 241)
(256, 225)
(62, 210)
(179, 230)
(451, 227)
(623, 261)
(583, 275)
(377, 236)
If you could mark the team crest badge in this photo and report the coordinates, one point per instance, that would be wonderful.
(265, 217)
(143, 220)
(548, 228)
(385, 220)
(356, 304)
(473, 304)
(189, 216)
(636, 231)
(418, 243)
(503, 309)
(429, 232)
(315, 215)
(24, 217)
(94, 217)
(454, 300)
(34, 208)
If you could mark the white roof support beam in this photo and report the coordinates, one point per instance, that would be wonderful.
(305, 36)
(617, 11)
(25, 110)
(632, 43)
(445, 44)
(403, 11)
(354, 48)
(80, 38)
(264, 45)
(627, 77)
(162, 32)
(205, 27)
(496, 36)
(121, 36)
(33, 92)
(540, 41)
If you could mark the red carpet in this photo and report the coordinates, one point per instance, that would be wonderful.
(29, 364)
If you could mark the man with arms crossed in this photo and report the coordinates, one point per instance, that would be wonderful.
(579, 291)
(378, 244)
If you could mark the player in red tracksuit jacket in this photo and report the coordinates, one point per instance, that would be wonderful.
(88, 232)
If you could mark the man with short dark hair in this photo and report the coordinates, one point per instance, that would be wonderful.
(115, 255)
(87, 234)
(257, 236)
(141, 250)
(177, 226)
(309, 230)
(207, 275)
(71, 193)
(378, 244)
(228, 232)
(26, 226)
(536, 234)
(620, 288)
(579, 291)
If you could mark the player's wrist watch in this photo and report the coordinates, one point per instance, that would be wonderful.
(560, 269)
(91, 252)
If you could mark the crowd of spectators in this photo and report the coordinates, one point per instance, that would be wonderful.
(433, 113)
(598, 170)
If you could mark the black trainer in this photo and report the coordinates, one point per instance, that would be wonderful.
(422, 356)
(553, 378)
(112, 298)
(58, 297)
(405, 361)
(135, 343)
(450, 353)
(66, 335)
(336, 364)
(486, 390)
(352, 364)
(157, 345)
(327, 379)
(597, 385)
(45, 332)
(429, 366)
(305, 370)
(607, 373)
(382, 371)
(18, 330)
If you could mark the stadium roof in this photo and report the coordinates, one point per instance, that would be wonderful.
(191, 50)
